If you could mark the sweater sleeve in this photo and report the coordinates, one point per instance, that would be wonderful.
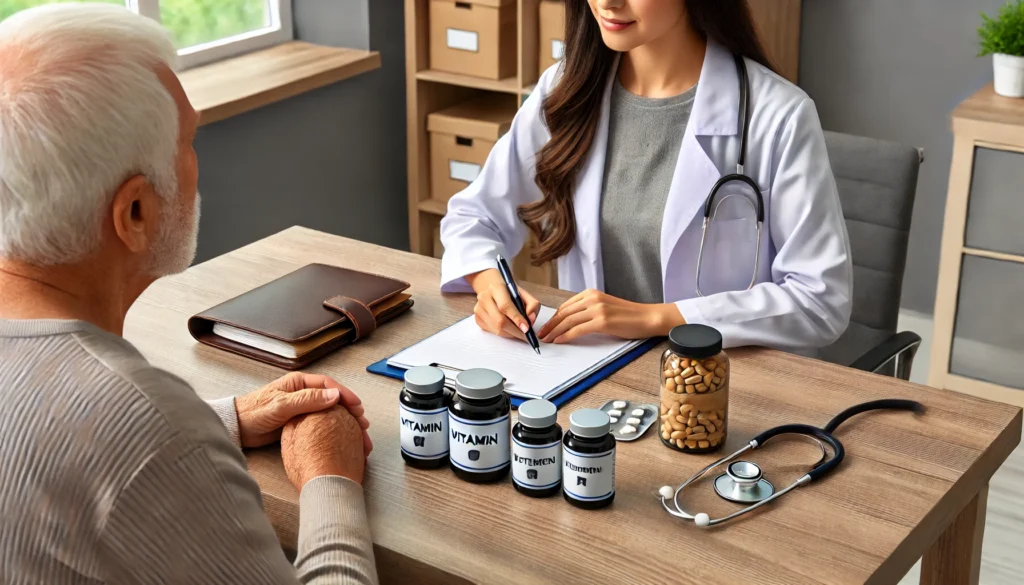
(194, 515)
(228, 415)
(334, 534)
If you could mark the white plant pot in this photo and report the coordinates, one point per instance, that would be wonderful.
(1009, 75)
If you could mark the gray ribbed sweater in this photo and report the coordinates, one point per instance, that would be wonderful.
(644, 138)
(114, 471)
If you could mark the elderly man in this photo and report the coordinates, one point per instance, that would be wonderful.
(112, 471)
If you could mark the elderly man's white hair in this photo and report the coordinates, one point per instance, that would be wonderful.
(81, 111)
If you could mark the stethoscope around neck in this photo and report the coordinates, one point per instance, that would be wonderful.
(710, 208)
(743, 481)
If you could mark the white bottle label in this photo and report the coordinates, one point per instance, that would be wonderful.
(477, 445)
(537, 466)
(424, 433)
(588, 477)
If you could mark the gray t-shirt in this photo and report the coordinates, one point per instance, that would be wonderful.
(113, 471)
(644, 138)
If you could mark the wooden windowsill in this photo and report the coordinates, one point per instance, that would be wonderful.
(233, 86)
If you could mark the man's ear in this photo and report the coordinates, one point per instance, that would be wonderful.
(135, 211)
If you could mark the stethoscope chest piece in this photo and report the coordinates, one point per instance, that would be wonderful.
(743, 483)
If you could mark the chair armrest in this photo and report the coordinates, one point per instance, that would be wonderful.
(899, 350)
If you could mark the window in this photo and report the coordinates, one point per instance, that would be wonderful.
(204, 30)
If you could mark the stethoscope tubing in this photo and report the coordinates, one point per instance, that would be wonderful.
(710, 209)
(821, 469)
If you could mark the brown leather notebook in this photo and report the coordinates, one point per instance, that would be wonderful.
(302, 316)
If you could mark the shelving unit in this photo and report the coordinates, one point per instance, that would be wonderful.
(430, 91)
(977, 340)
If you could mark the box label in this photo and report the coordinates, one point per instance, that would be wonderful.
(463, 40)
(557, 50)
(463, 171)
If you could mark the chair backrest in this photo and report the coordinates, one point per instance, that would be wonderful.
(877, 181)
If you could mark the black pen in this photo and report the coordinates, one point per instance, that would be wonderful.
(513, 290)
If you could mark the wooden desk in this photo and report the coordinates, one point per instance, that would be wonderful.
(909, 486)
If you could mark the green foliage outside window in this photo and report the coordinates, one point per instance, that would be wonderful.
(191, 22)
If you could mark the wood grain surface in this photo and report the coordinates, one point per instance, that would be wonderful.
(905, 478)
(954, 559)
(234, 86)
(988, 106)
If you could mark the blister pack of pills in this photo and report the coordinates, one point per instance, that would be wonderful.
(629, 420)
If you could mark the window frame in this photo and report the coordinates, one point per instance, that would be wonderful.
(279, 31)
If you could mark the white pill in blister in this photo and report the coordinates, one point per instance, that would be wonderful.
(612, 419)
(638, 412)
(633, 421)
(615, 413)
(619, 404)
(627, 430)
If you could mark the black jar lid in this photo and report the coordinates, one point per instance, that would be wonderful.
(699, 341)
(424, 380)
(537, 414)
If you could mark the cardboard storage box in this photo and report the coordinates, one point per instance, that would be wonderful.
(474, 37)
(552, 33)
(461, 137)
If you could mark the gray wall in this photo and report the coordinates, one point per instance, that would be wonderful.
(896, 69)
(332, 159)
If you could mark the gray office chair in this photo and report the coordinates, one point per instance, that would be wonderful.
(877, 181)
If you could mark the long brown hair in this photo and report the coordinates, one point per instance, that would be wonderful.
(573, 108)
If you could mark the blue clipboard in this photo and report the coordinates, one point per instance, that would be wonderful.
(382, 368)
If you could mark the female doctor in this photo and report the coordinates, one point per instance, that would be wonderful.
(610, 163)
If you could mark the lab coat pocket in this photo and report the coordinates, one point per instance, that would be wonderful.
(728, 259)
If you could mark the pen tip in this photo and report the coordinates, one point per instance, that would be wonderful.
(537, 349)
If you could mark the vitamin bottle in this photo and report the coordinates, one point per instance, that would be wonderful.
(537, 450)
(423, 417)
(694, 390)
(478, 423)
(588, 455)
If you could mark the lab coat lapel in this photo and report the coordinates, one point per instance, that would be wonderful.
(715, 113)
(587, 202)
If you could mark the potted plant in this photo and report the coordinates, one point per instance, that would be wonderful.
(1003, 38)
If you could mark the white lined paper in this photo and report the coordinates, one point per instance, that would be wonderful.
(559, 367)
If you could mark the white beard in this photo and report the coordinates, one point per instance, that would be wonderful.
(176, 242)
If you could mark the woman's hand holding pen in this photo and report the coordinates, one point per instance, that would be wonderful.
(593, 311)
(494, 311)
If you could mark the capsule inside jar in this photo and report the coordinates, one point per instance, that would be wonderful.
(694, 390)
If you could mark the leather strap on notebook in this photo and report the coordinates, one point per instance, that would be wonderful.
(358, 314)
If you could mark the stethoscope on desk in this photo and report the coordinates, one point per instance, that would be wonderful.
(710, 209)
(743, 481)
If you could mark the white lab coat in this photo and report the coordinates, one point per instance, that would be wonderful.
(803, 292)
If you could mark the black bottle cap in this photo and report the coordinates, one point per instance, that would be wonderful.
(698, 341)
